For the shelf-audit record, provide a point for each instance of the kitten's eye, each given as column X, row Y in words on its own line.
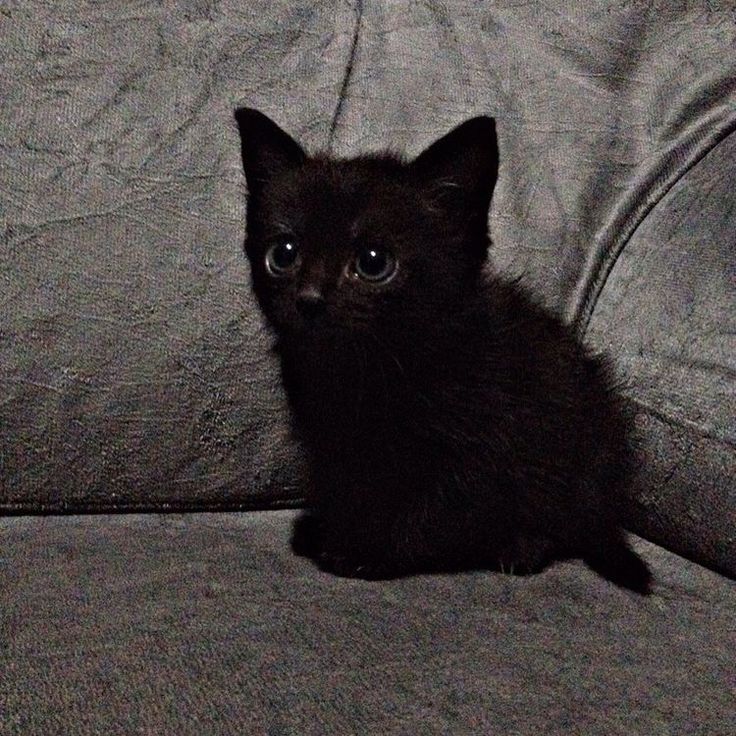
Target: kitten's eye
column 282, row 258
column 375, row 265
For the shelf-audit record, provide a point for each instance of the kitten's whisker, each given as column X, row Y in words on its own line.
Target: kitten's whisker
column 360, row 360
column 363, row 369
column 386, row 349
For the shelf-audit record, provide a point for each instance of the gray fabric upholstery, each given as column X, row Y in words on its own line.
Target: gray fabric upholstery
column 206, row 624
column 134, row 365
column 668, row 311
column 136, row 373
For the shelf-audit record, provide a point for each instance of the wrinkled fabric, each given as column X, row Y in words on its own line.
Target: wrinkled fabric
column 206, row 624
column 135, row 366
column 668, row 311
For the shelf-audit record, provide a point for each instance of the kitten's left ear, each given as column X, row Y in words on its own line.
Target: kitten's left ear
column 266, row 149
column 462, row 166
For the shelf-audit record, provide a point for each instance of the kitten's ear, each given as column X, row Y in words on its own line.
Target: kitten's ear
column 266, row 149
column 461, row 168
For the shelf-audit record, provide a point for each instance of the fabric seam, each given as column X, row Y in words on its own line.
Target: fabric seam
column 348, row 73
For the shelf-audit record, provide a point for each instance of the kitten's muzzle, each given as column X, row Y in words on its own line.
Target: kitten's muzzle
column 310, row 302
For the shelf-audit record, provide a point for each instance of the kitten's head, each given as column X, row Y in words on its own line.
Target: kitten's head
column 371, row 244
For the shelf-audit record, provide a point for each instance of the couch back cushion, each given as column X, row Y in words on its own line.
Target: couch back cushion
column 134, row 362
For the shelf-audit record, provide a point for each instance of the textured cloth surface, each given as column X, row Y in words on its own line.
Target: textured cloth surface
column 668, row 311
column 134, row 365
column 207, row 624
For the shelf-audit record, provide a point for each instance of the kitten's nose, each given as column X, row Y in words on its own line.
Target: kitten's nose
column 310, row 302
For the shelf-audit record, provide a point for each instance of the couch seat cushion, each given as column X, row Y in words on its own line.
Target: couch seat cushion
column 206, row 623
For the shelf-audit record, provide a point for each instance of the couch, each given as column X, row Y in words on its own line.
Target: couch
column 148, row 477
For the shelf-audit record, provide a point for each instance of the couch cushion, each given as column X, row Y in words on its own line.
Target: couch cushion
column 668, row 312
column 134, row 363
column 206, row 623
column 134, row 366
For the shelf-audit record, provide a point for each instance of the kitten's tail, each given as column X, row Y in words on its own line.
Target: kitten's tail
column 610, row 556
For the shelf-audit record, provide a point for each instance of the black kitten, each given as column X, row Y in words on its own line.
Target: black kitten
column 451, row 422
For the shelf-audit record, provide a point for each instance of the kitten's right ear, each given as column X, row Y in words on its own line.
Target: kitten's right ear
column 267, row 150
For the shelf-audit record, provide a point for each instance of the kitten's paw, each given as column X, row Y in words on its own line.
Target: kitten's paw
column 526, row 556
column 306, row 536
column 346, row 567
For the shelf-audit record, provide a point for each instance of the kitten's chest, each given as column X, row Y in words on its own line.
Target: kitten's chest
column 349, row 403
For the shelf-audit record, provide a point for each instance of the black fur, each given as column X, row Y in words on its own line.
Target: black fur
column 451, row 422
